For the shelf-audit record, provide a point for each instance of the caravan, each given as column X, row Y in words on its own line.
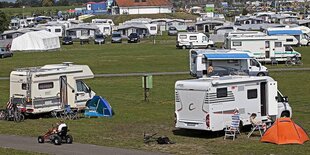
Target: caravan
column 232, row 61
column 209, row 103
column 263, row 48
column 51, row 87
column 193, row 40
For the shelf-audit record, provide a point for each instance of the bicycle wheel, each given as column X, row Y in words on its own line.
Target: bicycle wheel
column 288, row 63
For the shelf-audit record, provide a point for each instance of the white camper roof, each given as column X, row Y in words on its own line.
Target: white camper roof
column 242, row 38
column 205, row 83
column 78, row 71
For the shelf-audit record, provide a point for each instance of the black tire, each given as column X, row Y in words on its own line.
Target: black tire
column 285, row 114
column 40, row 139
column 57, row 140
column 69, row 139
column 260, row 74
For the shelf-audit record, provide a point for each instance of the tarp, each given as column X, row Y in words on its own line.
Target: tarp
column 284, row 32
column 98, row 107
column 36, row 41
column 285, row 131
column 214, row 56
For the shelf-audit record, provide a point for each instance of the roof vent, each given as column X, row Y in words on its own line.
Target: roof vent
column 67, row 63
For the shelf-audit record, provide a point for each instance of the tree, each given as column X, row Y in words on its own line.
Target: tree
column 47, row 3
column 4, row 21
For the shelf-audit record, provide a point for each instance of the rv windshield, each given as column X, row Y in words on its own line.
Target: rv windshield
column 81, row 86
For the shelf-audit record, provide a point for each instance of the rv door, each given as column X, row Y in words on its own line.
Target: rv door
column 272, row 103
column 67, row 91
column 83, row 93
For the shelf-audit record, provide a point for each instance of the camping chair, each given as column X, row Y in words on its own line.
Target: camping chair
column 230, row 131
column 69, row 113
column 273, row 61
column 256, row 127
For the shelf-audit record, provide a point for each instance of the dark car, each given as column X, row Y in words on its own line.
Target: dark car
column 5, row 53
column 99, row 39
column 67, row 41
column 116, row 37
column 190, row 29
column 172, row 31
column 133, row 38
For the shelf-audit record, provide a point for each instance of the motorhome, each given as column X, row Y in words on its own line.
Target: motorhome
column 303, row 39
column 224, row 62
column 51, row 87
column 103, row 21
column 193, row 40
column 152, row 28
column 264, row 48
column 209, row 103
column 244, row 33
column 59, row 30
column 14, row 24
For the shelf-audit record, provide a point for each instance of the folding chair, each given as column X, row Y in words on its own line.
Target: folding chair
column 256, row 127
column 230, row 131
column 274, row 61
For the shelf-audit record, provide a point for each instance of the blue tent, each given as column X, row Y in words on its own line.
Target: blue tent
column 284, row 32
column 98, row 107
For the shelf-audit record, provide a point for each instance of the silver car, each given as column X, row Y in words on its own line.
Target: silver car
column 116, row 37
column 5, row 53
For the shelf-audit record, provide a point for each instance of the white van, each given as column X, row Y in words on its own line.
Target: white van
column 193, row 40
column 51, row 87
column 209, row 103
column 224, row 62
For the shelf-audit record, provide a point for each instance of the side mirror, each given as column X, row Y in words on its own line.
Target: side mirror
column 277, row 98
column 89, row 90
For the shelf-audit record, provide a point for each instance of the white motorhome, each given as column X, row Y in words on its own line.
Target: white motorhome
column 51, row 87
column 59, row 30
column 209, row 103
column 152, row 28
column 224, row 62
column 264, row 48
column 303, row 39
column 193, row 40
column 103, row 21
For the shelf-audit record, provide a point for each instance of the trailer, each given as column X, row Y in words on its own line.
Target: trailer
column 264, row 48
column 51, row 87
column 209, row 103
column 230, row 62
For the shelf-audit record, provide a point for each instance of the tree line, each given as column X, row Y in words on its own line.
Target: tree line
column 44, row 3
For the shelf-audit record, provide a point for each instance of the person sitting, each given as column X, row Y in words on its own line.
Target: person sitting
column 255, row 121
column 61, row 125
column 210, row 68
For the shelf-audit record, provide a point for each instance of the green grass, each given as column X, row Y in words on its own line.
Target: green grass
column 28, row 11
column 7, row 151
column 134, row 116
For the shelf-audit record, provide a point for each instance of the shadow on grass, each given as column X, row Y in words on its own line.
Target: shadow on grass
column 198, row 133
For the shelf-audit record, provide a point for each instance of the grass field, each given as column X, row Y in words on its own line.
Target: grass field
column 28, row 11
column 134, row 116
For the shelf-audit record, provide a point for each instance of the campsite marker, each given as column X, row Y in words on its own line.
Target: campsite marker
column 147, row 84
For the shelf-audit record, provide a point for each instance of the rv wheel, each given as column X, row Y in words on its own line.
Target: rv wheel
column 285, row 114
column 40, row 139
column 260, row 74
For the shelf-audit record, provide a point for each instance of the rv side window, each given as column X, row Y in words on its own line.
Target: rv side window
column 153, row 27
column 183, row 37
column 221, row 92
column 47, row 85
column 232, row 61
column 278, row 44
column 192, row 37
column 237, row 43
column 253, row 62
column 57, row 30
column 81, row 87
column 252, row 93
column 24, row 86
column 289, row 40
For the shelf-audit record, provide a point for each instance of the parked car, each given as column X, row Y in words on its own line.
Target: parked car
column 190, row 29
column 99, row 39
column 5, row 53
column 67, row 41
column 133, row 38
column 116, row 37
column 172, row 31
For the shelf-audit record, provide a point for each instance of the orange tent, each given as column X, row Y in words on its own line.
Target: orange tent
column 285, row 131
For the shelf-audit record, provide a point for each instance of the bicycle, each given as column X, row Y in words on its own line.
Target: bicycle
column 293, row 61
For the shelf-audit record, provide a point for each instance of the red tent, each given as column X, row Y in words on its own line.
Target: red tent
column 285, row 131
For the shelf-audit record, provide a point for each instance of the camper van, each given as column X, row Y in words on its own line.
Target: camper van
column 209, row 103
column 193, row 40
column 224, row 62
column 296, row 32
column 51, row 87
column 263, row 48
